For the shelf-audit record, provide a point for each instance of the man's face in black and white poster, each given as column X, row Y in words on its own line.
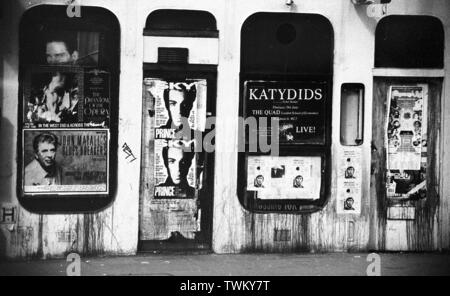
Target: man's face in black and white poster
column 179, row 101
column 175, row 160
column 46, row 154
column 58, row 52
column 176, row 99
column 177, row 163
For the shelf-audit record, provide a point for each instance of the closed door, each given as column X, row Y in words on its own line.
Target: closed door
column 176, row 172
column 405, row 163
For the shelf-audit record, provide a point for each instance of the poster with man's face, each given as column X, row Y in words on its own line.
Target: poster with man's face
column 64, row 83
column 65, row 161
column 175, row 169
column 180, row 111
column 349, row 181
column 53, row 95
column 178, row 102
column 66, row 97
column 51, row 46
column 67, row 105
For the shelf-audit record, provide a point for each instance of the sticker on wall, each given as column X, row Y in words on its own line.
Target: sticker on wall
column 406, row 140
column 8, row 213
column 284, row 177
column 349, row 181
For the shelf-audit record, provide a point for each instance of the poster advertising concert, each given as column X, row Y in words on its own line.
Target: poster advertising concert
column 300, row 108
column 65, row 161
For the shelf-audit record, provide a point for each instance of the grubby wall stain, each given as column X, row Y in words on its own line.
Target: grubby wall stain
column 3, row 245
column 93, row 234
column 37, row 236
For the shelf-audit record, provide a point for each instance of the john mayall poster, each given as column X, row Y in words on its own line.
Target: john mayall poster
column 299, row 106
column 65, row 161
column 177, row 103
column 406, row 140
column 284, row 177
column 66, row 97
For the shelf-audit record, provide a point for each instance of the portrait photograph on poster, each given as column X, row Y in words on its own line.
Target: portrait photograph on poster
column 176, row 162
column 65, row 161
column 349, row 181
column 65, row 111
column 175, row 100
column 68, row 113
column 63, row 96
column 63, row 47
column 175, row 169
column 52, row 95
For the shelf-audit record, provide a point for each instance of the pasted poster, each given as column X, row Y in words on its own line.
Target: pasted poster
column 284, row 177
column 300, row 108
column 406, row 136
column 175, row 169
column 180, row 112
column 66, row 97
column 51, row 46
column 96, row 103
column 349, row 181
column 65, row 161
column 175, row 100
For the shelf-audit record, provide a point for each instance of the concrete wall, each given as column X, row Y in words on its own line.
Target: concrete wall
column 115, row 229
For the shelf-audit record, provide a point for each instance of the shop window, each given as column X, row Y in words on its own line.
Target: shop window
column 283, row 43
column 352, row 114
column 286, row 82
column 68, row 109
column 179, row 98
column 409, row 42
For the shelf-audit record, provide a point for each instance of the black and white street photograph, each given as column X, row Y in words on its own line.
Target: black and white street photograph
column 226, row 147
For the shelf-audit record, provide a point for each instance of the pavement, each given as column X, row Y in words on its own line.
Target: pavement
column 331, row 264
